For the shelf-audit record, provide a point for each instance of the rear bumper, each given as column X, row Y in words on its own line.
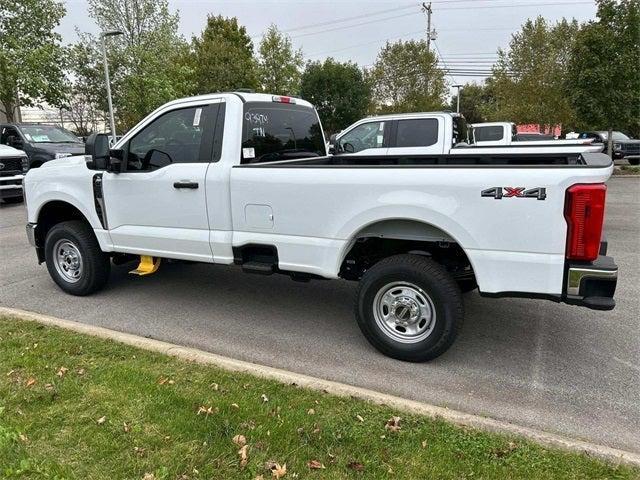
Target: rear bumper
column 591, row 284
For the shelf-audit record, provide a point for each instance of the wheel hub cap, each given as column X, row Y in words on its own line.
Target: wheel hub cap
column 404, row 312
column 68, row 261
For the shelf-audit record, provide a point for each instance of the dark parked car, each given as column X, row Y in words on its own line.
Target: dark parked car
column 623, row 146
column 41, row 143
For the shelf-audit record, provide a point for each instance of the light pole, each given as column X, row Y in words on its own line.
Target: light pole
column 457, row 97
column 110, row 33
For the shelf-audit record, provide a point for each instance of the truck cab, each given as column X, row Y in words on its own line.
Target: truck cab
column 41, row 142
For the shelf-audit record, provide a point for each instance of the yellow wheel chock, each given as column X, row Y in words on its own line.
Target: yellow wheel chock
column 147, row 265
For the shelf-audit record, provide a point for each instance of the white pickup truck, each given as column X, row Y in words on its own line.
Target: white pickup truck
column 13, row 165
column 442, row 133
column 243, row 179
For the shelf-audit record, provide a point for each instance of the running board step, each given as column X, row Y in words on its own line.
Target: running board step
column 260, row 268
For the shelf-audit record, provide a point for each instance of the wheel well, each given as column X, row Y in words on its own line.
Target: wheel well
column 392, row 237
column 53, row 213
column 36, row 164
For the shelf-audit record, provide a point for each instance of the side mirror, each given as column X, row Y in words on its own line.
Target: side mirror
column 97, row 146
column 333, row 138
column 14, row 142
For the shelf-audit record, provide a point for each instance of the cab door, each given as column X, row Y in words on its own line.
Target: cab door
column 157, row 204
column 418, row 136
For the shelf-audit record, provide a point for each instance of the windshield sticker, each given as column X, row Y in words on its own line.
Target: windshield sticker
column 256, row 118
column 248, row 153
column 40, row 138
column 196, row 117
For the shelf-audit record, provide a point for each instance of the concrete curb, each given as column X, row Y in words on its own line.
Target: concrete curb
column 456, row 417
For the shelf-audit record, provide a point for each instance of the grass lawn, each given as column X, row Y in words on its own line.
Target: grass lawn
column 627, row 170
column 77, row 407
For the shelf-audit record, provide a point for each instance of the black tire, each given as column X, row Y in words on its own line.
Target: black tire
column 467, row 285
column 634, row 161
column 95, row 263
column 434, row 281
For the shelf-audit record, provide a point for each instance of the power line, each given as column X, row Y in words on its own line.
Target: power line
column 354, row 25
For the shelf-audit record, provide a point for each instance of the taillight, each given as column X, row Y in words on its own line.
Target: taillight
column 281, row 99
column 584, row 212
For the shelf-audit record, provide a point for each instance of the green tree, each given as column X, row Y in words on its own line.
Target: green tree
column 604, row 72
column 223, row 57
column 31, row 57
column 406, row 78
column 338, row 90
column 279, row 65
column 476, row 102
column 148, row 62
column 529, row 78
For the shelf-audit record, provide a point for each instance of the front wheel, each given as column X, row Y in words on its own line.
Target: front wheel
column 74, row 259
column 409, row 308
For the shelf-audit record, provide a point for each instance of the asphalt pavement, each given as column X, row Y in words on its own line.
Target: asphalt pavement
column 554, row 367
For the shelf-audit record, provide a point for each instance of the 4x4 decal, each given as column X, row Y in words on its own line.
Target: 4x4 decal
column 519, row 192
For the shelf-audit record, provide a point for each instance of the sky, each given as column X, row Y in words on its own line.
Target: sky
column 469, row 32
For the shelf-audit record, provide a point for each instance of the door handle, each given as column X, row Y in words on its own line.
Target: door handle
column 185, row 184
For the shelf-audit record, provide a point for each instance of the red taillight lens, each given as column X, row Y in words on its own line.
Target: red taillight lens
column 584, row 212
column 281, row 99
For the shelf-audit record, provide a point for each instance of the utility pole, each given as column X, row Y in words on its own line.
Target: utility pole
column 457, row 97
column 112, row 122
column 427, row 9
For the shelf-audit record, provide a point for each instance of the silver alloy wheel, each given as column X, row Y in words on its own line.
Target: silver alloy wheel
column 68, row 260
column 404, row 312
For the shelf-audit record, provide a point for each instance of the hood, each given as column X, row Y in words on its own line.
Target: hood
column 66, row 162
column 74, row 148
column 627, row 142
column 7, row 151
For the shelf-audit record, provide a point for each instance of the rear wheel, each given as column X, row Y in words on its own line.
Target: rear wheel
column 409, row 308
column 74, row 259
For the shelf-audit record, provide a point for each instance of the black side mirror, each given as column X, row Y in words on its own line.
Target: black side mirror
column 97, row 146
column 14, row 141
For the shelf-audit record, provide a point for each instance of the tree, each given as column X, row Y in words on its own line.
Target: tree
column 31, row 57
column 406, row 78
column 604, row 75
column 529, row 78
column 148, row 62
column 223, row 57
column 476, row 102
column 338, row 90
column 279, row 65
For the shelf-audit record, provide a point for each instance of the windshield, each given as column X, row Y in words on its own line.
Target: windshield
column 618, row 136
column 280, row 131
column 48, row 134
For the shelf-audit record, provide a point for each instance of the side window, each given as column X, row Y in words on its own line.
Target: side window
column 8, row 132
column 417, row 133
column 488, row 134
column 367, row 135
column 174, row 137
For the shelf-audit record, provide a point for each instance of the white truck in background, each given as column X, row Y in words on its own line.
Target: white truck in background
column 13, row 165
column 440, row 133
column 243, row 179
column 506, row 134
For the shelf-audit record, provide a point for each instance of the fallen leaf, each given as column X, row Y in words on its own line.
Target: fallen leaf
column 49, row 387
column 264, row 398
column 139, row 451
column 81, row 371
column 126, row 427
column 393, row 424
column 31, row 381
column 359, row 417
column 101, row 420
column 61, row 371
column 357, row 466
column 23, row 438
column 215, row 386
column 163, row 380
column 240, row 440
column 424, row 444
column 11, row 372
column 207, row 410
column 235, row 405
column 311, row 411
column 315, row 465
column 149, row 476
column 244, row 457
column 277, row 470
column 259, row 477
